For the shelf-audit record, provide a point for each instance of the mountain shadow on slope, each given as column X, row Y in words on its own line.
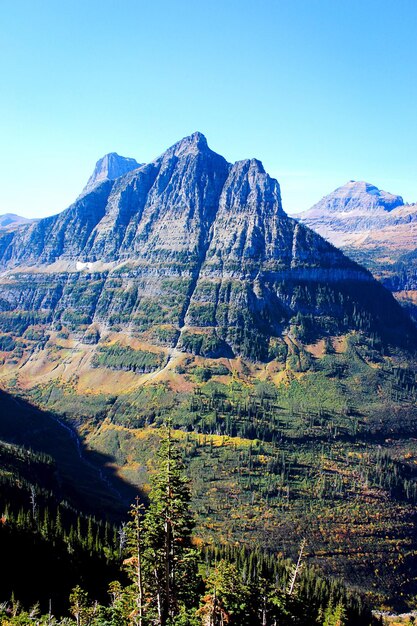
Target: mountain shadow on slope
column 86, row 479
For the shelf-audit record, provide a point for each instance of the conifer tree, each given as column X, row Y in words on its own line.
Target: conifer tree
column 335, row 615
column 168, row 525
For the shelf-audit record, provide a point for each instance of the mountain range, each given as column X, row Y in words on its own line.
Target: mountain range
column 180, row 290
column 189, row 251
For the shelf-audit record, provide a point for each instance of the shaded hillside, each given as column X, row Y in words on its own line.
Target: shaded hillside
column 71, row 472
column 39, row 524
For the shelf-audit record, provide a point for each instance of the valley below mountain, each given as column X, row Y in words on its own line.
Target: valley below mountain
column 179, row 291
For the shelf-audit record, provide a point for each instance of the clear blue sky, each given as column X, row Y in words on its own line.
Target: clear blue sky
column 322, row 91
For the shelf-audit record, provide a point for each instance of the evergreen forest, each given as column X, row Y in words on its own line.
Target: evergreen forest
column 65, row 567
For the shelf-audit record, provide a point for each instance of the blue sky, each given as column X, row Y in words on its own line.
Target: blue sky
column 322, row 91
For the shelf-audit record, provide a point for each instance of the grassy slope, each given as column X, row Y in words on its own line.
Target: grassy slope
column 274, row 454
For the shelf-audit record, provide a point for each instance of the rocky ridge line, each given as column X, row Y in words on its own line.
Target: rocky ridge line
column 187, row 249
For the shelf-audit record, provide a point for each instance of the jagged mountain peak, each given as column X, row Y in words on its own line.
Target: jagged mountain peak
column 195, row 139
column 109, row 167
column 191, row 145
column 253, row 165
column 208, row 252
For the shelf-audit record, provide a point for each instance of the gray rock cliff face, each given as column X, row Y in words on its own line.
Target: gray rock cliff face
column 109, row 167
column 185, row 246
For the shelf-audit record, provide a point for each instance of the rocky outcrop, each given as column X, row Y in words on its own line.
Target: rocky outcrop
column 185, row 246
column 109, row 167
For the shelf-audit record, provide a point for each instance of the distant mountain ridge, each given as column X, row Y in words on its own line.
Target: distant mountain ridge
column 356, row 195
column 11, row 220
column 354, row 208
column 374, row 228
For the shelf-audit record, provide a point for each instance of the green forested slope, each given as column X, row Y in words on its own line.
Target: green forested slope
column 60, row 561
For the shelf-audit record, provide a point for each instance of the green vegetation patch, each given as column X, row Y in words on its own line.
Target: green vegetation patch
column 7, row 343
column 118, row 357
column 206, row 372
column 204, row 344
column 74, row 318
column 18, row 321
column 165, row 310
column 166, row 335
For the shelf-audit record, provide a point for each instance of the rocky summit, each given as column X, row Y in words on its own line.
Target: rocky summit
column 376, row 229
column 109, row 167
column 356, row 195
column 189, row 252
column 354, row 208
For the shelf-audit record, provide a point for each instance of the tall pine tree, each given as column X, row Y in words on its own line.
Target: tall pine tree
column 169, row 560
